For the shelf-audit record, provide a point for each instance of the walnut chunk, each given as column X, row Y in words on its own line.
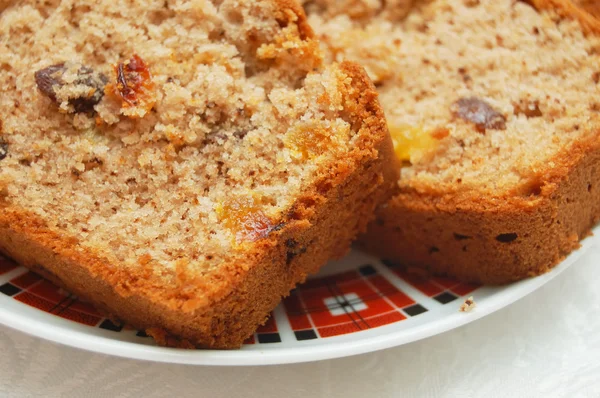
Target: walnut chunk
column 83, row 92
column 480, row 113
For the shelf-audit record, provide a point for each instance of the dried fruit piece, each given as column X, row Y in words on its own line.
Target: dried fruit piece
column 244, row 217
column 507, row 238
column 412, row 142
column 309, row 142
column 480, row 113
column 96, row 82
column 3, row 149
column 312, row 139
column 83, row 92
column 49, row 77
column 134, row 85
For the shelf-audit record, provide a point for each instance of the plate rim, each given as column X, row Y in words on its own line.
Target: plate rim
column 104, row 345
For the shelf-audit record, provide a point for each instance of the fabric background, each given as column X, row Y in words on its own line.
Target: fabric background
column 547, row 344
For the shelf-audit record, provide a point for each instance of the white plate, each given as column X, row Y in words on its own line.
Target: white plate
column 353, row 306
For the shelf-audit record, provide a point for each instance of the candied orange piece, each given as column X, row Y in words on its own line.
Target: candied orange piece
column 309, row 140
column 243, row 216
column 411, row 142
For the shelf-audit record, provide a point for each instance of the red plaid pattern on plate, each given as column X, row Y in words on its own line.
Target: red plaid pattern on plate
column 347, row 302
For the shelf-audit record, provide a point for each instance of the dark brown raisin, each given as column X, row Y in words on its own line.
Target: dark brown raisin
column 48, row 78
column 87, row 77
column 528, row 108
column 3, row 149
column 596, row 77
column 506, row 238
column 480, row 113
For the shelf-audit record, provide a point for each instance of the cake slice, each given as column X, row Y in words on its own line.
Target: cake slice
column 494, row 107
column 182, row 164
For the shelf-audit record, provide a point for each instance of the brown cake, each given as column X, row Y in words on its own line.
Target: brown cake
column 494, row 107
column 182, row 164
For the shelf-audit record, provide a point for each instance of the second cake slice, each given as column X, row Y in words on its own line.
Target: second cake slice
column 495, row 109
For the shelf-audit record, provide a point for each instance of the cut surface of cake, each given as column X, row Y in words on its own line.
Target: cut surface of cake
column 494, row 107
column 182, row 164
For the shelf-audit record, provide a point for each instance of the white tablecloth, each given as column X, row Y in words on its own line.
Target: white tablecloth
column 547, row 344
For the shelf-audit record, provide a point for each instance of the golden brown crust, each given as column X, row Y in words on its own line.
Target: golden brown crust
column 499, row 239
column 591, row 6
column 496, row 240
column 568, row 9
column 238, row 298
column 4, row 4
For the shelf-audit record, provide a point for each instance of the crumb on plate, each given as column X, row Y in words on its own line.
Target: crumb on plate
column 468, row 305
